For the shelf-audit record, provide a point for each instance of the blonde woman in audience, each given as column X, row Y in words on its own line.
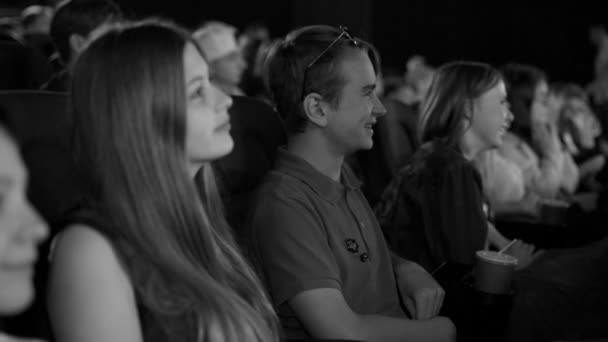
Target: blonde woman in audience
column 434, row 210
column 147, row 258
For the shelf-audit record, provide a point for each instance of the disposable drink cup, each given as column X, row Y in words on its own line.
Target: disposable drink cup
column 494, row 272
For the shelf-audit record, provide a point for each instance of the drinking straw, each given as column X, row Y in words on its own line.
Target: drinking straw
column 507, row 246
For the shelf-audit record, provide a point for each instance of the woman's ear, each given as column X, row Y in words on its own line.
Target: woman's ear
column 315, row 109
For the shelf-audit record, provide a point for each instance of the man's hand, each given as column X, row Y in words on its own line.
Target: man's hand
column 422, row 295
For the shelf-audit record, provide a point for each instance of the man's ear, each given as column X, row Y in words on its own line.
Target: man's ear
column 315, row 109
column 76, row 43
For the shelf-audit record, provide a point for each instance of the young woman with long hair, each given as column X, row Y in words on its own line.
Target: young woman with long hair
column 434, row 211
column 148, row 258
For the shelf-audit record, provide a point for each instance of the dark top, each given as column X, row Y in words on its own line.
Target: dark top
column 432, row 212
column 311, row 232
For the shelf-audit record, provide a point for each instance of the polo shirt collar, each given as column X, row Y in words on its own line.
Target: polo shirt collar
column 326, row 187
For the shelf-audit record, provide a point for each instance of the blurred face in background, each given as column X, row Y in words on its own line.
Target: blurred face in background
column 21, row 230
column 555, row 103
column 228, row 69
column 539, row 109
column 585, row 125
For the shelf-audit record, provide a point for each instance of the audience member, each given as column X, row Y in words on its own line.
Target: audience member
column 416, row 82
column 329, row 271
column 218, row 42
column 255, row 42
column 434, row 211
column 533, row 142
column 36, row 19
column 579, row 130
column 35, row 25
column 147, row 258
column 534, row 163
column 72, row 23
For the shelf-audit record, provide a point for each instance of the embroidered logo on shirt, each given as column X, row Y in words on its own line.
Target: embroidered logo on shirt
column 352, row 245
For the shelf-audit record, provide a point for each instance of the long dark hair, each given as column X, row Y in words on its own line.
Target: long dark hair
column 128, row 99
column 447, row 105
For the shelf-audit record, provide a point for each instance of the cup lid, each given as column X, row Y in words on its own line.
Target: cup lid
column 495, row 258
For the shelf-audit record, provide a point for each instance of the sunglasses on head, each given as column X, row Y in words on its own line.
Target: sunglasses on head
column 343, row 33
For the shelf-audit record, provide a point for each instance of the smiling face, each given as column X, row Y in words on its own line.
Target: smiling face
column 21, row 230
column 208, row 124
column 491, row 117
column 350, row 124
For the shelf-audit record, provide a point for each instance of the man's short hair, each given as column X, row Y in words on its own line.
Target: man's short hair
column 289, row 75
column 79, row 17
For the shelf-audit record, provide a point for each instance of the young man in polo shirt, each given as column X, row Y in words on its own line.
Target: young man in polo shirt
column 319, row 246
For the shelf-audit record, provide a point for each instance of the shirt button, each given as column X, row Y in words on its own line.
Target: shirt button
column 364, row 257
column 361, row 224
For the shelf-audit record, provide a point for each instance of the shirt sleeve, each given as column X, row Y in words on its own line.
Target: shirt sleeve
column 454, row 209
column 291, row 247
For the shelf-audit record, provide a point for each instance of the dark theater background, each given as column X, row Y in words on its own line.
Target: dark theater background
column 553, row 36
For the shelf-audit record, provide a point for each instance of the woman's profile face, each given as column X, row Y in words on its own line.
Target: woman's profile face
column 491, row 117
column 208, row 124
column 21, row 230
